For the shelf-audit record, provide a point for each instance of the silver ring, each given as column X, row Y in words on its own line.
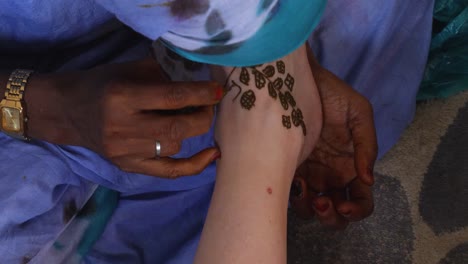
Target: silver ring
column 158, row 149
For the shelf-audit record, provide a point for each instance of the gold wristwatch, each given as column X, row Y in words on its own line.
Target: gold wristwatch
column 12, row 107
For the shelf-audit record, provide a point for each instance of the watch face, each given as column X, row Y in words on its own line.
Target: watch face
column 11, row 119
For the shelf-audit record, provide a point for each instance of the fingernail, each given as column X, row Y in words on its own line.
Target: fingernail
column 219, row 93
column 296, row 189
column 346, row 214
column 321, row 207
column 216, row 156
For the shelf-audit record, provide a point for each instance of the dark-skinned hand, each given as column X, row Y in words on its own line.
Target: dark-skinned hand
column 334, row 182
column 120, row 110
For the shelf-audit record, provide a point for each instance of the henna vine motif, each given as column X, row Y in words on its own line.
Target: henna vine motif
column 234, row 85
column 263, row 77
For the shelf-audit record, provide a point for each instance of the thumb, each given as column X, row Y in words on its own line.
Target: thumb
column 364, row 142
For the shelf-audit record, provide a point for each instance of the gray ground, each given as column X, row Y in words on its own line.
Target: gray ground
column 421, row 195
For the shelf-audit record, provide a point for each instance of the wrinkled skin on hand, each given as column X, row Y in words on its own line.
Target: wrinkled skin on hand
column 334, row 181
column 120, row 110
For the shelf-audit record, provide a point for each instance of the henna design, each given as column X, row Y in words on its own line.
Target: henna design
column 272, row 91
column 297, row 117
column 287, row 122
column 260, row 80
column 229, row 77
column 284, row 102
column 281, row 67
column 289, row 82
column 304, row 128
column 290, row 99
column 248, row 99
column 244, row 76
column 234, row 84
column 278, row 83
column 269, row 71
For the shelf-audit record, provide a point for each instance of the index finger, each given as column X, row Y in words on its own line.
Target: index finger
column 177, row 95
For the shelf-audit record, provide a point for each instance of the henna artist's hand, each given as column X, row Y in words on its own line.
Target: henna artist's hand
column 341, row 165
column 120, row 110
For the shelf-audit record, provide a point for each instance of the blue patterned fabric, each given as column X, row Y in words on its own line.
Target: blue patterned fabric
column 232, row 33
column 291, row 20
column 380, row 48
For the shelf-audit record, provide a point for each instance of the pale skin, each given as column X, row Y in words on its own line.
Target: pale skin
column 247, row 218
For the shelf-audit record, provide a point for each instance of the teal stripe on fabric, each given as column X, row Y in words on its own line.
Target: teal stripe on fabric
column 98, row 211
column 286, row 31
column 264, row 5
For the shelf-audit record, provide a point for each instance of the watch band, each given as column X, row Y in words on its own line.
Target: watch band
column 13, row 105
column 16, row 84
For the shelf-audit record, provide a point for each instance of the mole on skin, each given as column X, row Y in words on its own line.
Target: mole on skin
column 269, row 190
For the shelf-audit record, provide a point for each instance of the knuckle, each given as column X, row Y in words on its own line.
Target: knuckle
column 174, row 147
column 116, row 96
column 174, row 131
column 175, row 96
column 172, row 171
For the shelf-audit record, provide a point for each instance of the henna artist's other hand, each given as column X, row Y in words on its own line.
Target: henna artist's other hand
column 270, row 111
column 121, row 110
column 341, row 166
